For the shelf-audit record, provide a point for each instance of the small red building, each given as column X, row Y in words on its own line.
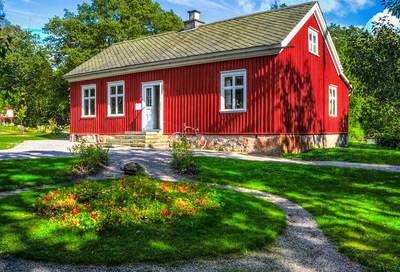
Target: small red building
column 262, row 82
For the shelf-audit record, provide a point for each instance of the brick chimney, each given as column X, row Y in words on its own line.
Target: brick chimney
column 194, row 20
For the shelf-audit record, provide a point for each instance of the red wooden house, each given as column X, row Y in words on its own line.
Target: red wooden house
column 262, row 82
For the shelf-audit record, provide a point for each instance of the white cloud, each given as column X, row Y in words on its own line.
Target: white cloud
column 384, row 14
column 247, row 6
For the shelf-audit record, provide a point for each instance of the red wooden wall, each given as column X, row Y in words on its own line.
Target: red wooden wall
column 287, row 93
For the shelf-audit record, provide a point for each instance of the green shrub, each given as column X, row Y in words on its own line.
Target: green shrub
column 182, row 157
column 356, row 132
column 95, row 206
column 90, row 158
column 391, row 140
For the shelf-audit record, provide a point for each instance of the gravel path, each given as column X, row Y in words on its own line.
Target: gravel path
column 59, row 148
column 37, row 149
column 302, row 247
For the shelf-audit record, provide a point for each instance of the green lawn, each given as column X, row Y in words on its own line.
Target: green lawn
column 10, row 136
column 243, row 223
column 363, row 153
column 15, row 174
column 358, row 210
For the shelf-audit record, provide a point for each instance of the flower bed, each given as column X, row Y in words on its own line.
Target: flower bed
column 91, row 206
column 137, row 219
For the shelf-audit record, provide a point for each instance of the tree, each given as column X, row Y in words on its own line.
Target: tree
column 371, row 60
column 393, row 6
column 76, row 37
column 277, row 5
column 26, row 79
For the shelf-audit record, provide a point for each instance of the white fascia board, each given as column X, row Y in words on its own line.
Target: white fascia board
column 316, row 10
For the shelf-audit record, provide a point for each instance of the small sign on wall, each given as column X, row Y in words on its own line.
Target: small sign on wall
column 138, row 106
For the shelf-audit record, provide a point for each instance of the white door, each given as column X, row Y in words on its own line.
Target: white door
column 152, row 106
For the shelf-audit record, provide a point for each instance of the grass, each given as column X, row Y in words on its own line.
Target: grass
column 362, row 153
column 244, row 223
column 15, row 174
column 10, row 136
column 358, row 210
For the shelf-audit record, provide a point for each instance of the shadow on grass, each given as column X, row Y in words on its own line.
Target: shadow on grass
column 16, row 174
column 357, row 209
column 244, row 223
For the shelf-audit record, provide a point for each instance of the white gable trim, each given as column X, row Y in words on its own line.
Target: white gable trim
column 316, row 10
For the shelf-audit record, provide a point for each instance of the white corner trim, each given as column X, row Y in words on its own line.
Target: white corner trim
column 316, row 10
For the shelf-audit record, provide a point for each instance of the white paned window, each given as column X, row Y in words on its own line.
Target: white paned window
column 89, row 101
column 116, row 98
column 332, row 101
column 233, row 91
column 313, row 41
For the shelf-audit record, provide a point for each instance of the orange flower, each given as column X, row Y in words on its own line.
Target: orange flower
column 94, row 215
column 201, row 201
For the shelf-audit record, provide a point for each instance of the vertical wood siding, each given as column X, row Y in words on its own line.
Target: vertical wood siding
column 287, row 93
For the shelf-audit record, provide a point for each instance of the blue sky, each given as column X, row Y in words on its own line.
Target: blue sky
column 33, row 14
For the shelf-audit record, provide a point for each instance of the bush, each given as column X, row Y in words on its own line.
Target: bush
column 95, row 206
column 90, row 158
column 182, row 157
column 391, row 140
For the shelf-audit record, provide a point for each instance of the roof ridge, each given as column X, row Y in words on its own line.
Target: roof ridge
column 261, row 12
column 216, row 22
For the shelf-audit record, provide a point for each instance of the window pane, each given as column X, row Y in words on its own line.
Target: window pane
column 239, row 101
column 85, row 107
column 120, row 105
column 228, row 82
column 149, row 97
column 86, row 92
column 239, row 81
column 120, row 89
column 228, row 99
column 92, row 106
column 112, row 90
column 113, row 109
column 92, row 92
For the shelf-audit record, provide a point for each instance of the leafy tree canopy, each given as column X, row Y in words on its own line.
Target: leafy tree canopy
column 371, row 60
column 277, row 4
column 393, row 6
column 78, row 36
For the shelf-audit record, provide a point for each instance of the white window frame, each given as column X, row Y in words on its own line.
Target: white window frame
column 233, row 73
column 314, row 33
column 88, row 87
column 332, row 111
column 109, row 96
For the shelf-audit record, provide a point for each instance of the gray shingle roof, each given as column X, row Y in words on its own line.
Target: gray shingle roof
column 268, row 28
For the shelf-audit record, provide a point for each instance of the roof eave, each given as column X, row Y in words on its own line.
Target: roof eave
column 178, row 62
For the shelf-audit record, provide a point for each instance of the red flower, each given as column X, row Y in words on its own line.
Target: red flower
column 164, row 213
column 75, row 211
column 94, row 215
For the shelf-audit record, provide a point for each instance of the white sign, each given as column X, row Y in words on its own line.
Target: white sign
column 10, row 114
column 138, row 106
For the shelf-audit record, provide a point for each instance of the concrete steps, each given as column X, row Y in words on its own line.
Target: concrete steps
column 140, row 140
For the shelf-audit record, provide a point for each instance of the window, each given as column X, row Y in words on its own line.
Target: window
column 313, row 41
column 89, row 101
column 149, row 98
column 116, row 98
column 233, row 91
column 332, row 101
